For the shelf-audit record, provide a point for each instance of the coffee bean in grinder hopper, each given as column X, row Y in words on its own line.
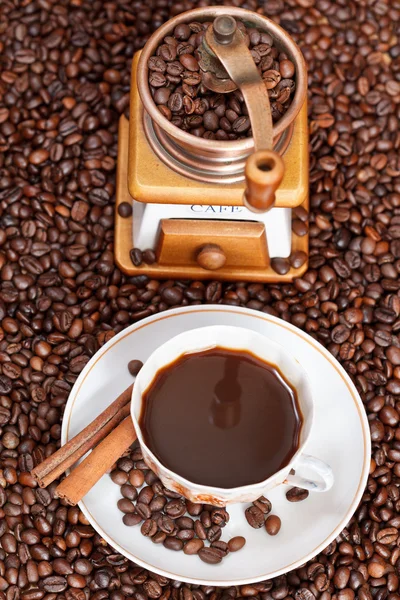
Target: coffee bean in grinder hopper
column 207, row 203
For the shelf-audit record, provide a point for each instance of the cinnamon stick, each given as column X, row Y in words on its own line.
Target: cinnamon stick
column 72, row 451
column 100, row 460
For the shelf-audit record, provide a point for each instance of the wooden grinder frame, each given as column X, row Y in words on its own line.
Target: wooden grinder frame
column 142, row 175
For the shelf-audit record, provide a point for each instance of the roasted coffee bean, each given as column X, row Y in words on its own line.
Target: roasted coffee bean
column 136, row 256
column 157, row 79
column 205, row 518
column 175, row 508
column 119, row 477
column 220, row 545
column 173, row 543
column 185, row 523
column 124, row 209
column 143, row 510
column 166, row 524
column 194, row 509
column 297, row 259
column 193, row 546
column 149, row 528
column 157, row 64
column 272, row 524
column 149, row 256
column 296, row 494
column 134, row 367
column 132, row 519
column 152, row 588
column 263, row 504
column 175, row 102
column 280, row 265
column 254, row 516
column 200, row 530
column 212, row 556
column 146, row 495
column 136, row 476
column 236, row 543
column 299, row 227
column 126, row 506
column 185, row 534
column 214, row 533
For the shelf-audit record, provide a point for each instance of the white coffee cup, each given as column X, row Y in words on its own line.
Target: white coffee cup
column 234, row 338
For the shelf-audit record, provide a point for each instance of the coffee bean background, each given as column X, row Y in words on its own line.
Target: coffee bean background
column 64, row 81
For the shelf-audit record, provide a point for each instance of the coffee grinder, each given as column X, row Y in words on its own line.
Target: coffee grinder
column 226, row 210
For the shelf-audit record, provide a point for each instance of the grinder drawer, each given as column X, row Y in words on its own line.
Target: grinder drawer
column 212, row 244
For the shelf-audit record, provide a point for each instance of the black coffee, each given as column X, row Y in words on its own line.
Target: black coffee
column 221, row 418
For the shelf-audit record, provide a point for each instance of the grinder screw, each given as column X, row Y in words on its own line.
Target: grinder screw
column 224, row 29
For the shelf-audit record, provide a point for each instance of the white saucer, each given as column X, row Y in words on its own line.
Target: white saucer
column 340, row 437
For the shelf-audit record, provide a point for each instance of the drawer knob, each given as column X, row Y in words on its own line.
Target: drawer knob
column 211, row 257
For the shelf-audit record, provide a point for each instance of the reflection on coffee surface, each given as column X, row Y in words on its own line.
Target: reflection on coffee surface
column 221, row 418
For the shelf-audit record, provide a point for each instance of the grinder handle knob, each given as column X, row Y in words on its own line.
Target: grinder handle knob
column 264, row 172
column 211, row 257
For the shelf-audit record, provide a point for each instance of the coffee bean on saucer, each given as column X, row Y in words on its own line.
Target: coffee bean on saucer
column 194, row 509
column 125, row 464
column 219, row 516
column 126, row 506
column 272, row 524
column 159, row 537
column 193, row 546
column 296, row 494
column 151, row 479
column 185, row 523
column 212, row 556
column 149, row 528
column 141, row 465
column 263, row 504
column 220, row 545
column 132, row 519
column 166, row 524
column 125, row 209
column 136, row 454
column 136, row 478
column 185, row 534
column 173, row 543
column 205, row 518
column 119, row 477
column 134, row 367
column 254, row 516
column 128, row 491
column 143, row 510
column 157, row 504
column 214, row 533
column 200, row 530
column 236, row 543
column 146, row 495
column 175, row 508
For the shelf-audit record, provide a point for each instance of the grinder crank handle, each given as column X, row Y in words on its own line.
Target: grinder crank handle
column 264, row 169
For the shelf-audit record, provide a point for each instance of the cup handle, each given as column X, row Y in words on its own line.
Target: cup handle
column 320, row 468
